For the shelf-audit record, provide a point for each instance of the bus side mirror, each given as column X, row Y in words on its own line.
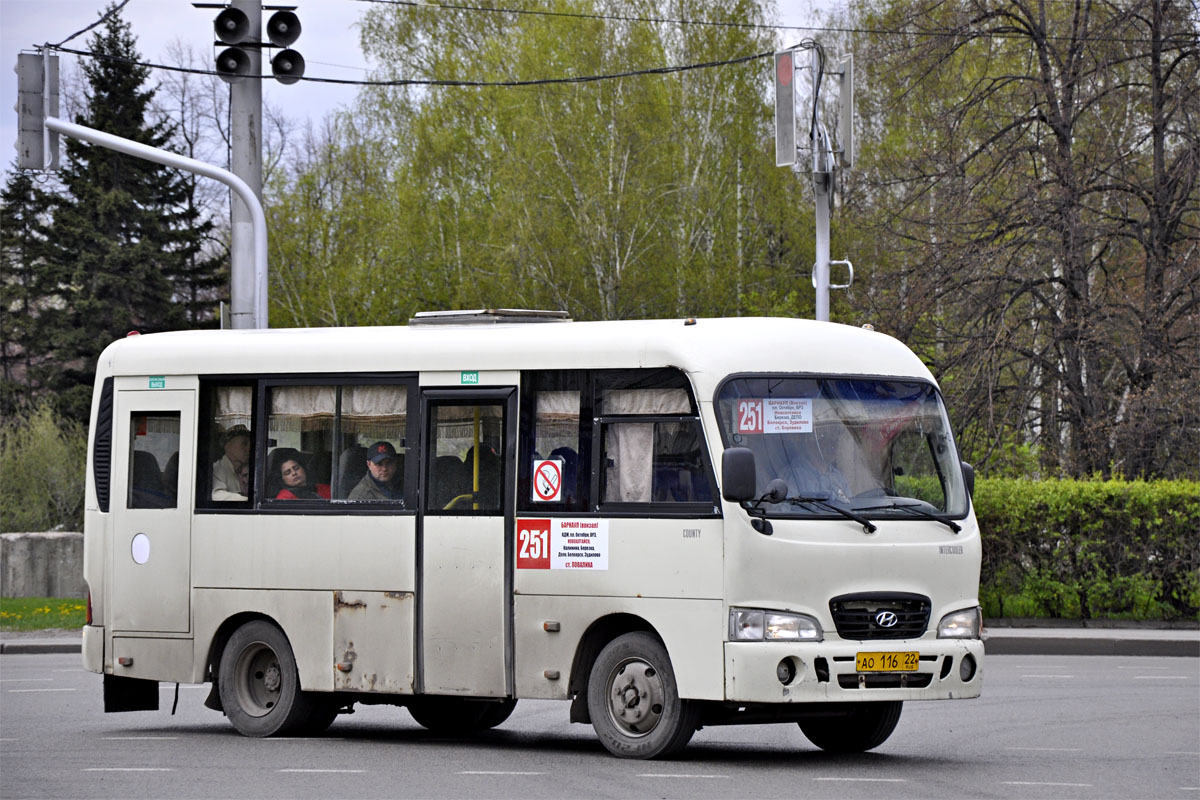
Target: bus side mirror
column 969, row 478
column 738, row 475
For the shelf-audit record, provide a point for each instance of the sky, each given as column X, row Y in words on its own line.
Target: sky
column 328, row 42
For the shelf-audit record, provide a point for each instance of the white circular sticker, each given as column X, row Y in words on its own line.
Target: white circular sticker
column 141, row 548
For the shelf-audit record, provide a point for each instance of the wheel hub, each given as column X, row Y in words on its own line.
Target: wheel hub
column 635, row 701
column 271, row 679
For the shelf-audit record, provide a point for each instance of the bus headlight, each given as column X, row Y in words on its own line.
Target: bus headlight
column 756, row 625
column 965, row 624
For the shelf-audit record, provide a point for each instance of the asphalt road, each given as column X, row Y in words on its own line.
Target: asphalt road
column 1046, row 727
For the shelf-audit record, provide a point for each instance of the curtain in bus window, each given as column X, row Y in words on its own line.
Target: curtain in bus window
column 629, row 446
column 233, row 406
column 301, row 418
column 301, row 408
column 644, row 401
column 374, row 412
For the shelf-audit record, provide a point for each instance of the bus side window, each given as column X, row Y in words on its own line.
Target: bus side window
column 552, row 407
column 655, row 454
column 227, row 445
column 153, row 437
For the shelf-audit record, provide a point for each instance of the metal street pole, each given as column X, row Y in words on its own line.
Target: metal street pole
column 249, row 307
column 822, row 190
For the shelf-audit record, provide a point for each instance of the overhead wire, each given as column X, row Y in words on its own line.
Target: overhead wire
column 431, row 81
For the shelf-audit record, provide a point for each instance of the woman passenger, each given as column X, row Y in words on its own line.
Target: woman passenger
column 290, row 474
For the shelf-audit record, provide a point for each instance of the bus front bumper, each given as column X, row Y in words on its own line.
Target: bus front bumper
column 786, row 672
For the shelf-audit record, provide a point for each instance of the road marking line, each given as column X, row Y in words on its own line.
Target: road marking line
column 1162, row 677
column 129, row 769
column 18, row 691
column 1044, row 783
column 1047, row 676
column 1181, row 753
column 138, row 738
column 864, row 780
column 1139, row 667
column 485, row 772
column 678, row 775
column 1049, row 749
column 339, row 771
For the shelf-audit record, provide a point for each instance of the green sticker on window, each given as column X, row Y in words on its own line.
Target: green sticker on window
column 470, row 377
column 158, row 382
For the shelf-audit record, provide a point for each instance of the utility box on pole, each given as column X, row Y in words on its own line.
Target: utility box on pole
column 845, row 129
column 785, row 109
column 37, row 98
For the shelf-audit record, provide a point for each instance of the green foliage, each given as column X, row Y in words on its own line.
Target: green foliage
column 124, row 240
column 651, row 195
column 28, row 288
column 41, row 613
column 1089, row 549
column 42, row 462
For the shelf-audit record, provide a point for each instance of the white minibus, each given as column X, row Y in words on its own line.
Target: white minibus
column 669, row 524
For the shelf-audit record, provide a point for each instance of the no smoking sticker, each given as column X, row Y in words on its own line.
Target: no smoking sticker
column 547, row 481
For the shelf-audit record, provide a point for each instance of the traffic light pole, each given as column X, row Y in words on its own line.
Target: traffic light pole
column 245, row 131
column 257, row 227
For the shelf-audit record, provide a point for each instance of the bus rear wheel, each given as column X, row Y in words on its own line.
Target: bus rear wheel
column 260, row 685
column 862, row 728
column 458, row 715
column 634, row 702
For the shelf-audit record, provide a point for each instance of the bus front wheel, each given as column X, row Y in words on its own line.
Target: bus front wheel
column 260, row 686
column 634, row 702
column 863, row 728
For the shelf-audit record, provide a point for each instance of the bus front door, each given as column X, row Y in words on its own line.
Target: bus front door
column 465, row 569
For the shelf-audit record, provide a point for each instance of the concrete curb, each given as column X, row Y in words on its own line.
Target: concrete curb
column 32, row 648
column 1019, row 645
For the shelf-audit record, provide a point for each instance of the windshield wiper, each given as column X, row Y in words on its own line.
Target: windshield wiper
column 823, row 502
column 920, row 512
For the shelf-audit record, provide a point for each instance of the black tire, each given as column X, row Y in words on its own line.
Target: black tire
column 862, row 728
column 458, row 715
column 634, row 702
column 260, row 686
column 321, row 715
column 494, row 714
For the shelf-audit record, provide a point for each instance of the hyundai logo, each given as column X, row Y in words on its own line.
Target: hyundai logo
column 886, row 619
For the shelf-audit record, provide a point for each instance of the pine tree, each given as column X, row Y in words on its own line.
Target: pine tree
column 124, row 234
column 28, row 288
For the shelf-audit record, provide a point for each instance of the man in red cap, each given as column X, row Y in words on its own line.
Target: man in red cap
column 384, row 479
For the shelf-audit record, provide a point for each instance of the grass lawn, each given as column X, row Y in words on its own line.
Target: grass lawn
column 39, row 613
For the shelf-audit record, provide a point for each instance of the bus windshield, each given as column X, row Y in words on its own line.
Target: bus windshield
column 875, row 446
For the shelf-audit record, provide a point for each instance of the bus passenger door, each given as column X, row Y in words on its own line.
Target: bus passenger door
column 465, row 575
column 153, row 460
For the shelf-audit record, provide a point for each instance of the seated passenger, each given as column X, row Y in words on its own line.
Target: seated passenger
column 230, row 475
column 384, row 479
column 289, row 474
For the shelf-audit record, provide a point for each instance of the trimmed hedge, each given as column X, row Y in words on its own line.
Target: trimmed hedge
column 1090, row 549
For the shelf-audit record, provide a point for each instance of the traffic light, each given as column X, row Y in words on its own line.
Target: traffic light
column 232, row 27
column 37, row 97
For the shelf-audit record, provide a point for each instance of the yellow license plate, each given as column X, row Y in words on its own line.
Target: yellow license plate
column 887, row 662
